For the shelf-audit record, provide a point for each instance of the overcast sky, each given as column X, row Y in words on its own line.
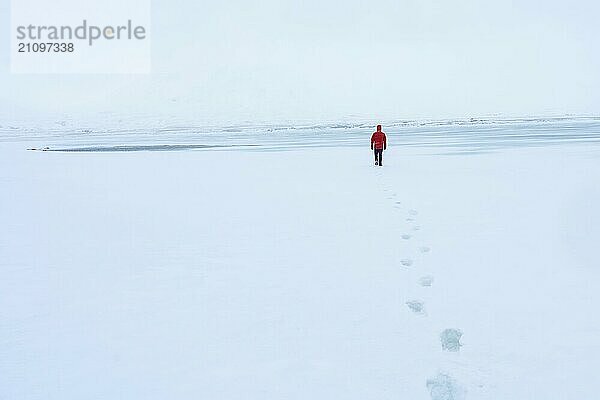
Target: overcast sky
column 277, row 60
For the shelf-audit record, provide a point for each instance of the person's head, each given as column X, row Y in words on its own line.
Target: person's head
column 378, row 128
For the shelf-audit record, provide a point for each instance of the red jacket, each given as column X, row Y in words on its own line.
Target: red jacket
column 378, row 139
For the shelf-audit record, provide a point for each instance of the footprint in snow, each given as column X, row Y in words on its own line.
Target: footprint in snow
column 416, row 306
column 424, row 249
column 444, row 387
column 413, row 212
column 410, row 220
column 450, row 339
column 406, row 236
column 416, row 228
column 407, row 262
column 426, row 280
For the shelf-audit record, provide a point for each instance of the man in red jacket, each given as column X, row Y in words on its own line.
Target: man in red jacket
column 379, row 144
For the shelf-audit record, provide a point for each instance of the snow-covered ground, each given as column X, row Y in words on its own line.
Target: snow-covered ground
column 294, row 271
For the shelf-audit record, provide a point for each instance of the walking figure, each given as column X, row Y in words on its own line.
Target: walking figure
column 379, row 144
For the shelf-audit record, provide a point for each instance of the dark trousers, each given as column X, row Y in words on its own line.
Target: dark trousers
column 379, row 156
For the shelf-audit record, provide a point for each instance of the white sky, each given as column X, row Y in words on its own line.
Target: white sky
column 276, row 60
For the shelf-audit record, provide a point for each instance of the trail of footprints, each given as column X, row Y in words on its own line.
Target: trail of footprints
column 442, row 386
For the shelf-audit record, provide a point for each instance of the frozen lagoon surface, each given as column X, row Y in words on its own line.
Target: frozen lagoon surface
column 269, row 263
